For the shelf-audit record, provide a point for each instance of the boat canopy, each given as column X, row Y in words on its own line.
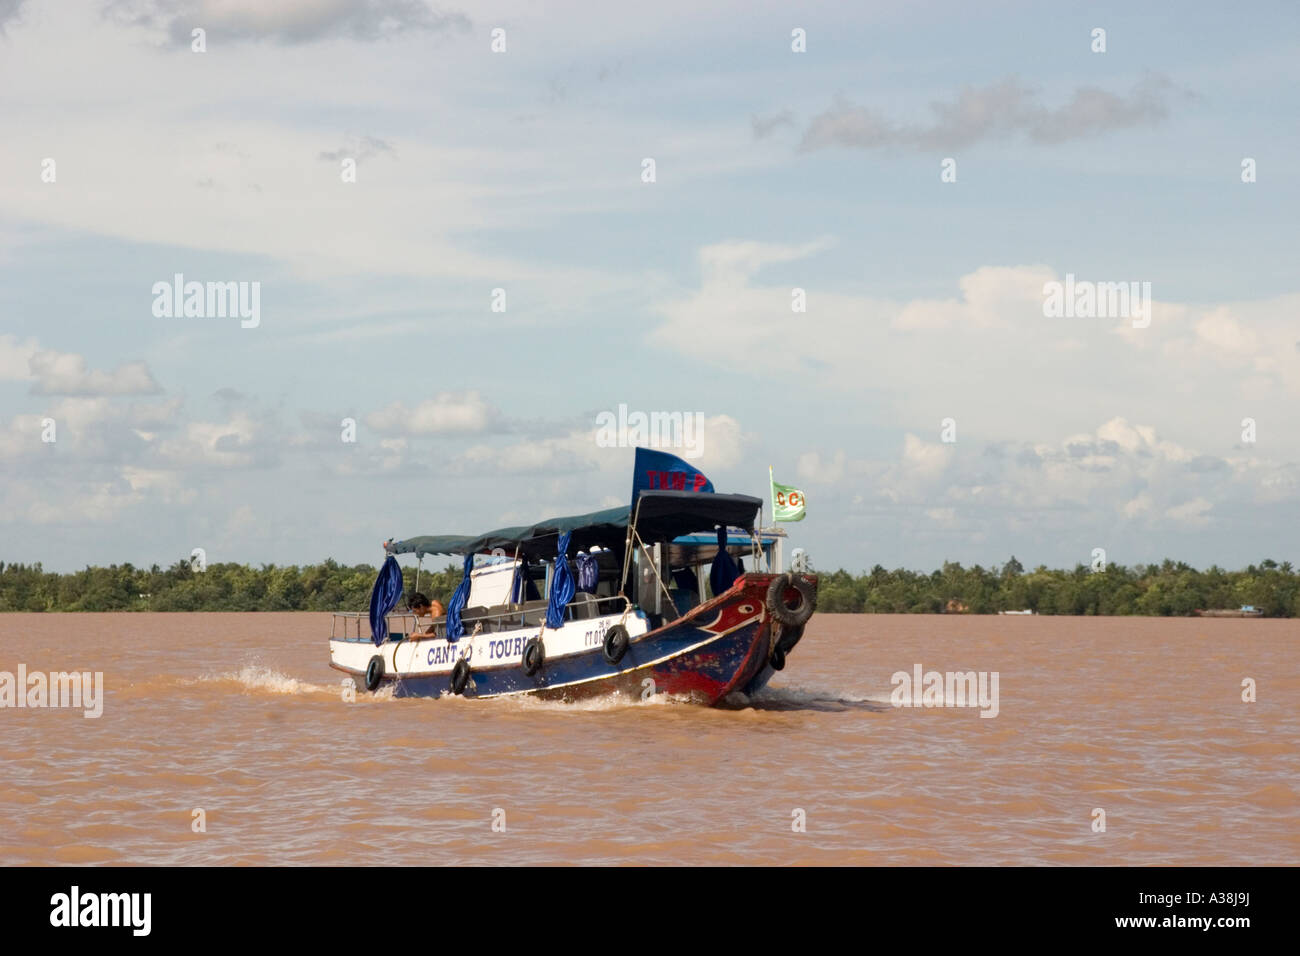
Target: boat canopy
column 660, row 516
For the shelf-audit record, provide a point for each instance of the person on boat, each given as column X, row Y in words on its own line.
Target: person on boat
column 421, row 606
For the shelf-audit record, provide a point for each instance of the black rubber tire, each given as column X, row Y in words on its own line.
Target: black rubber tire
column 777, row 660
column 534, row 656
column 789, row 638
column 791, row 616
column 374, row 673
column 460, row 676
column 615, row 644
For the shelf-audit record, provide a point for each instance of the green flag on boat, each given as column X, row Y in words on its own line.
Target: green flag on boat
column 787, row 502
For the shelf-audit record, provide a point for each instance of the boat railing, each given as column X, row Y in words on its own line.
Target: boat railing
column 350, row 623
column 355, row 625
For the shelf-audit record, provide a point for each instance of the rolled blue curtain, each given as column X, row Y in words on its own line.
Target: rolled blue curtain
column 384, row 597
column 588, row 573
column 723, row 574
column 517, row 582
column 456, row 627
column 562, row 588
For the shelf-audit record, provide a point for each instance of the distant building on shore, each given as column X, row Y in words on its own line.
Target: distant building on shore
column 1246, row 610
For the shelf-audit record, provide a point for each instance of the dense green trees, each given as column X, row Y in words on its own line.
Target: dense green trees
column 1169, row 588
column 329, row 586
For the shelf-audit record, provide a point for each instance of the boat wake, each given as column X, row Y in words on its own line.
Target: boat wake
column 259, row 677
column 798, row 698
column 606, row 702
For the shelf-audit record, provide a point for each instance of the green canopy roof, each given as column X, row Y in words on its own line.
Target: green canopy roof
column 663, row 515
column 606, row 528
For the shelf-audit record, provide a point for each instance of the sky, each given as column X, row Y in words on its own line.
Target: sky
column 472, row 253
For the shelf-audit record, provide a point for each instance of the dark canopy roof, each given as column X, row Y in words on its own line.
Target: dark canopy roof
column 664, row 515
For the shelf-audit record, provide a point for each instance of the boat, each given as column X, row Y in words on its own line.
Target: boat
column 661, row 604
column 1246, row 610
column 1016, row 613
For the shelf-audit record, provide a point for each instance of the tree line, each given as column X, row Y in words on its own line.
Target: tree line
column 1166, row 589
column 328, row 586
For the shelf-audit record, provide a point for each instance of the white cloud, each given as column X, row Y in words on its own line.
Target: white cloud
column 924, row 460
column 991, row 295
column 237, row 443
column 989, row 357
column 1121, row 472
column 1191, row 513
column 574, row 452
column 16, row 357
column 812, row 467
column 722, row 442
column 1137, row 506
column 1224, row 334
column 736, row 260
column 67, row 373
column 446, row 413
column 999, row 110
column 252, row 181
column 60, row 373
column 89, row 502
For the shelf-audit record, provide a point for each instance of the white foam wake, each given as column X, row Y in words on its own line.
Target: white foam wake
column 259, row 677
column 799, row 698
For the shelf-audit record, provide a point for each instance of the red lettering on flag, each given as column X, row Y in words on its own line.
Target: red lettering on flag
column 674, row 480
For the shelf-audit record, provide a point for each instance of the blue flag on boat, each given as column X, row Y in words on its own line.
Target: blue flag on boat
column 383, row 598
column 658, row 470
